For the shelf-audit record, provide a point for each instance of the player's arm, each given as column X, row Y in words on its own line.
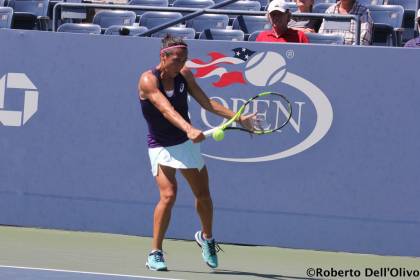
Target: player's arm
column 211, row 105
column 148, row 89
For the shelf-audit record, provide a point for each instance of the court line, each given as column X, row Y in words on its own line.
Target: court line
column 88, row 272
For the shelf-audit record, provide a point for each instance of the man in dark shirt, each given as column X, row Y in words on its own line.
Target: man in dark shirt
column 279, row 16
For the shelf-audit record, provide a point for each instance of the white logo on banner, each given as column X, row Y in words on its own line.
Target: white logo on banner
column 265, row 69
column 30, row 106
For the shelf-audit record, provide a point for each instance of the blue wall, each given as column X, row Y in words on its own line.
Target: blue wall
column 343, row 177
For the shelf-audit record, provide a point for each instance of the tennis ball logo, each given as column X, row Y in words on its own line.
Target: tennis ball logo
column 265, row 69
column 30, row 106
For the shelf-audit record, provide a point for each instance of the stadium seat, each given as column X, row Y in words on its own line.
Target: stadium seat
column 291, row 6
column 264, row 4
column 208, row 21
column 106, row 18
column 410, row 9
column 243, row 5
column 334, row 39
column 86, row 28
column 321, row 7
column 370, row 2
column 158, row 3
column 253, row 36
column 198, row 4
column 182, row 32
column 2, row 3
column 125, row 30
column 6, row 14
column 406, row 4
column 153, row 19
column 250, row 24
column 387, row 23
column 29, row 14
column 222, row 34
column 324, row 1
column 72, row 14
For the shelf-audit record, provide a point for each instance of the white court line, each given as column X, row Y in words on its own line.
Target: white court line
column 88, row 272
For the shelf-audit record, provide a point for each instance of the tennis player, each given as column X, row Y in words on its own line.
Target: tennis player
column 174, row 144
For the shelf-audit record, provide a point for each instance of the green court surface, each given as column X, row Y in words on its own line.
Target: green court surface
column 104, row 254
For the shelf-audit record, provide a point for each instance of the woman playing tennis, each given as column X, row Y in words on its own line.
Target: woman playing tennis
column 174, row 144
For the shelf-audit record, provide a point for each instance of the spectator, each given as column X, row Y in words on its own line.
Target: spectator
column 415, row 42
column 305, row 24
column 351, row 7
column 279, row 16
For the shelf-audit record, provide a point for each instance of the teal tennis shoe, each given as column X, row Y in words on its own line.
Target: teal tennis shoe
column 156, row 262
column 209, row 249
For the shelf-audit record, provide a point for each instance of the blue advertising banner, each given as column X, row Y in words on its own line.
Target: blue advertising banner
column 342, row 176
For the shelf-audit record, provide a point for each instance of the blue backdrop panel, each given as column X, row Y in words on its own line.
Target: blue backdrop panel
column 342, row 176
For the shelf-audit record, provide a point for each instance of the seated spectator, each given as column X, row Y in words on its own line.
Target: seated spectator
column 352, row 7
column 279, row 16
column 305, row 24
column 415, row 43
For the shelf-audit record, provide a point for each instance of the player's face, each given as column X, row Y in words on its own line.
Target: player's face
column 174, row 61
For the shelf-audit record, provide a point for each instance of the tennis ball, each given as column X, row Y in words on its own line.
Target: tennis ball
column 265, row 69
column 218, row 135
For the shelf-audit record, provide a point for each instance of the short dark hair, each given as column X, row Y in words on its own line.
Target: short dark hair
column 169, row 41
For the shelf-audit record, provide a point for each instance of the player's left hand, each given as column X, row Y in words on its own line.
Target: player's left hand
column 248, row 121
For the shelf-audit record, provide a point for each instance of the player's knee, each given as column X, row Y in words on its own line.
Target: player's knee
column 168, row 198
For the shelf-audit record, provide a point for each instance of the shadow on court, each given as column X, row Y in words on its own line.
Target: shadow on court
column 244, row 273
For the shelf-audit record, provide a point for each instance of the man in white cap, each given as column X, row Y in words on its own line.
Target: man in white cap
column 279, row 16
column 415, row 42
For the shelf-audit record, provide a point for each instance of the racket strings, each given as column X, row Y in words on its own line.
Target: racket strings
column 260, row 123
column 273, row 111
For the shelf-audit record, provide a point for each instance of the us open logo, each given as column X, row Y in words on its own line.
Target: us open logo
column 22, row 82
column 263, row 70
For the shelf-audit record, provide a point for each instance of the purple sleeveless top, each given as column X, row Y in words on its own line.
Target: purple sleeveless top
column 161, row 132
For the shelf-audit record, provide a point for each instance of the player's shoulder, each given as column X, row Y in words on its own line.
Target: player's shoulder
column 185, row 71
column 147, row 74
column 148, row 80
column 187, row 74
column 148, row 77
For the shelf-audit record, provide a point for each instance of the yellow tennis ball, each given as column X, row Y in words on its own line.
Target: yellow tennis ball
column 218, row 135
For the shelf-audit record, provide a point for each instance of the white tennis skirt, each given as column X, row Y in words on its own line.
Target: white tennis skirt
column 182, row 156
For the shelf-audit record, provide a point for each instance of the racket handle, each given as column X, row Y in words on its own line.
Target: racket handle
column 209, row 132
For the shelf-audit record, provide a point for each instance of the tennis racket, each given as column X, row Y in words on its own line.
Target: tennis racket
column 272, row 112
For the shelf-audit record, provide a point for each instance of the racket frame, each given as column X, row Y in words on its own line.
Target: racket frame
column 227, row 125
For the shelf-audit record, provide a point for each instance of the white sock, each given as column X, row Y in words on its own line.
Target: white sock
column 208, row 239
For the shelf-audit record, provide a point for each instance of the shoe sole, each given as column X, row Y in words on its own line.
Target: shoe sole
column 155, row 269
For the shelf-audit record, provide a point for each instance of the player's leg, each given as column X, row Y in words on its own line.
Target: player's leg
column 199, row 183
column 167, row 185
column 166, row 182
